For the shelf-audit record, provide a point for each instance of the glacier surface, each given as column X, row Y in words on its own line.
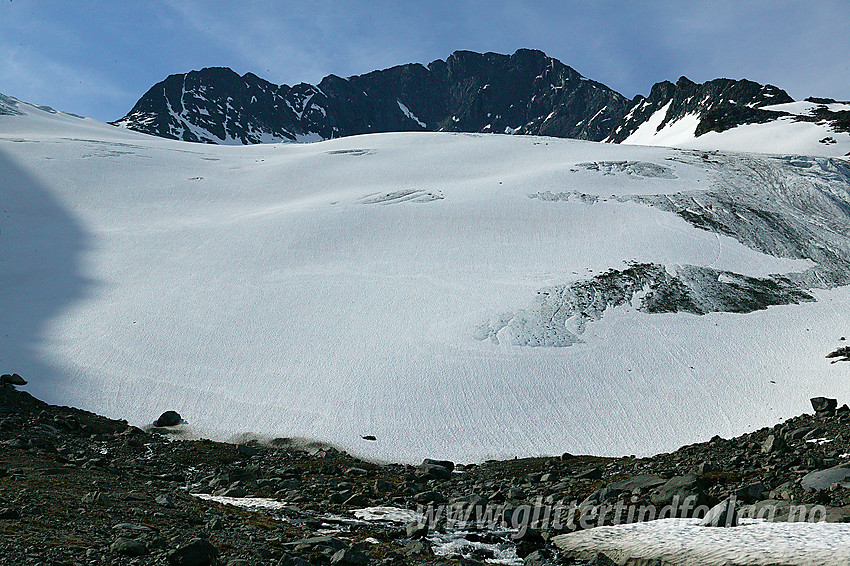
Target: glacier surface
column 389, row 285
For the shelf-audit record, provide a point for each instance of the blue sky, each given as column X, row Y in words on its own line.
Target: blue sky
column 97, row 58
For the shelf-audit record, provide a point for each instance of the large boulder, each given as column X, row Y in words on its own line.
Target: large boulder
column 541, row 557
column 449, row 465
column 721, row 515
column 823, row 479
column 772, row 444
column 433, row 471
column 12, row 379
column 678, row 489
column 642, row 481
column 168, row 418
column 752, row 492
column 823, row 406
column 128, row 547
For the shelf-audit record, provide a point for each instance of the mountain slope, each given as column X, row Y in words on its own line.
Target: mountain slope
column 735, row 115
column 457, row 295
column 717, row 105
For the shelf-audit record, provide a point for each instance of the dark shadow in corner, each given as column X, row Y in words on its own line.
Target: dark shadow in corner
column 40, row 248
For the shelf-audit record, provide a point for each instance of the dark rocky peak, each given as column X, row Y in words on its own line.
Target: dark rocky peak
column 526, row 92
column 701, row 99
column 401, row 98
column 217, row 105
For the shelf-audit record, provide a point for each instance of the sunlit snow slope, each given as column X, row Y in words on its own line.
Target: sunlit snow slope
column 447, row 293
column 797, row 132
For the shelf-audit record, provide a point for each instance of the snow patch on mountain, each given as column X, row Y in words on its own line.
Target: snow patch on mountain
column 795, row 129
column 406, row 111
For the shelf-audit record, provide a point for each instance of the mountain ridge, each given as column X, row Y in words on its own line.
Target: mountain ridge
column 527, row 92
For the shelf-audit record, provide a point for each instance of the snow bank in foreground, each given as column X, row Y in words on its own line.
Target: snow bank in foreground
column 681, row 542
column 250, row 503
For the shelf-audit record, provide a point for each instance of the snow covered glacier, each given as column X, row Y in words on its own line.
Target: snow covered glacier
column 454, row 295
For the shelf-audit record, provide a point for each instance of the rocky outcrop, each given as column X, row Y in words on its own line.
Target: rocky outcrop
column 718, row 105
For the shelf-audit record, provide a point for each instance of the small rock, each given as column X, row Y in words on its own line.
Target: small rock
column 814, row 433
column 382, row 486
column 530, row 541
column 198, row 552
column 416, row 530
column 339, row 497
column 263, row 554
column 349, row 557
column 752, row 492
column 642, row 481
column 128, row 547
column 428, row 497
column 316, row 543
column 516, row 493
column 703, row 468
column 799, row 433
column 168, row 418
column 96, row 497
column 130, row 528
column 590, row 474
column 247, row 451
column 10, row 514
column 356, row 500
column 608, row 494
column 290, row 560
column 680, row 487
column 541, row 557
column 418, row 548
column 164, row 501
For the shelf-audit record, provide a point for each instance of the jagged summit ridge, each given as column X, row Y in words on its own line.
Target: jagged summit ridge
column 526, row 92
